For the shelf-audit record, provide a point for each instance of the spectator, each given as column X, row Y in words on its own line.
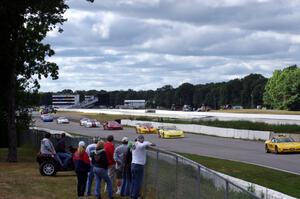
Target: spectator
column 100, row 162
column 119, row 157
column 126, row 181
column 109, row 148
column 82, row 167
column 48, row 148
column 61, row 151
column 90, row 149
column 137, row 165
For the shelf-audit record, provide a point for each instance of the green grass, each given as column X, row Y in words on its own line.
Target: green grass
column 281, row 181
column 241, row 124
column 22, row 180
column 260, row 126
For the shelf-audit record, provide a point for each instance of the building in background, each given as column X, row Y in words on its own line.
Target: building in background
column 65, row 101
column 134, row 104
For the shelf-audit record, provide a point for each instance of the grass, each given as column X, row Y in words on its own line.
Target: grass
column 241, row 124
column 260, row 111
column 281, row 181
column 22, row 180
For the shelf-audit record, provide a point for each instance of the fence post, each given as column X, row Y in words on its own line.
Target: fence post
column 198, row 181
column 156, row 175
column 176, row 178
column 226, row 190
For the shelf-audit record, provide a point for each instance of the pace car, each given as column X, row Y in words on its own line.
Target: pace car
column 170, row 132
column 91, row 123
column 145, row 128
column 47, row 118
column 282, row 144
column 112, row 125
column 62, row 120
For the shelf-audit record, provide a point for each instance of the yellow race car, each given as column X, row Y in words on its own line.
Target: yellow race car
column 145, row 128
column 169, row 132
column 282, row 144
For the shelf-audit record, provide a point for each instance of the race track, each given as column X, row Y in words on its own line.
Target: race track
column 225, row 148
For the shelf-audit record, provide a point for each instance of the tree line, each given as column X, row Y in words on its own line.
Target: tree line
column 247, row 92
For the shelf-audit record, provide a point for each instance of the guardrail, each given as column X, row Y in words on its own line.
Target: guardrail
column 167, row 174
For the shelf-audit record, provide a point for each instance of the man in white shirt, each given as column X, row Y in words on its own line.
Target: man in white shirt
column 137, row 165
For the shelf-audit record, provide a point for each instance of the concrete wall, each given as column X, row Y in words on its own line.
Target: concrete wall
column 207, row 130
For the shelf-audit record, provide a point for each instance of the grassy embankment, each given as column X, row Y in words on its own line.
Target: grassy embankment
column 284, row 128
column 281, row 181
column 23, row 180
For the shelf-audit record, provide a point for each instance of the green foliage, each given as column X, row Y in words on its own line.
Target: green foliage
column 283, row 89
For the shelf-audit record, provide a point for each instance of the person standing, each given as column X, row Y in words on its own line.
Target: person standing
column 109, row 148
column 119, row 157
column 48, row 148
column 126, row 181
column 90, row 149
column 100, row 162
column 137, row 165
column 82, row 167
column 61, row 151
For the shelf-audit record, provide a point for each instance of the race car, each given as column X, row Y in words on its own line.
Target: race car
column 169, row 132
column 47, row 118
column 282, row 144
column 83, row 121
column 145, row 128
column 62, row 120
column 112, row 125
column 91, row 123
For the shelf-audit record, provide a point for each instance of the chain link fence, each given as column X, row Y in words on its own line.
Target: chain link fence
column 167, row 175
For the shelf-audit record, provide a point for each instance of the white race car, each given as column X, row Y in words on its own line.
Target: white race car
column 62, row 120
column 83, row 121
column 92, row 123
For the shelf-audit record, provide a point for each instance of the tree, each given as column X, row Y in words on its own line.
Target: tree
column 283, row 89
column 24, row 25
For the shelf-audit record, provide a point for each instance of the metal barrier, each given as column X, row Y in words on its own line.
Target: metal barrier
column 168, row 175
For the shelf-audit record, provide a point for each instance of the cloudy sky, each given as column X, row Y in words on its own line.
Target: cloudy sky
column 146, row 44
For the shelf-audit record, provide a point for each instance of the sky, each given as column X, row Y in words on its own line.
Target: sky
column 146, row 44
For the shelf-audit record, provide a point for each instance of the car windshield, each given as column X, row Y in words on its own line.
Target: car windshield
column 284, row 139
column 93, row 120
column 113, row 122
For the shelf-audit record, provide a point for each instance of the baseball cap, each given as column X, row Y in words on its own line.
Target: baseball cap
column 140, row 137
column 81, row 144
column 125, row 139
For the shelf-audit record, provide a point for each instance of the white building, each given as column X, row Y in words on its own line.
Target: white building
column 65, row 101
column 134, row 104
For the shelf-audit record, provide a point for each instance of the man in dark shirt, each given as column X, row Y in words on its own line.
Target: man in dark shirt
column 61, row 151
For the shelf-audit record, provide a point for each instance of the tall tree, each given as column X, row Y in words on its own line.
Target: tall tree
column 24, row 25
column 283, row 89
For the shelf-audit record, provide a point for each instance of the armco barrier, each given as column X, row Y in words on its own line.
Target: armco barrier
column 171, row 176
column 216, row 131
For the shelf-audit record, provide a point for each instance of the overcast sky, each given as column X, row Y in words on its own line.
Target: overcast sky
column 146, row 44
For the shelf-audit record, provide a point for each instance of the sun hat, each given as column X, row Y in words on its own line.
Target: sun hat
column 81, row 144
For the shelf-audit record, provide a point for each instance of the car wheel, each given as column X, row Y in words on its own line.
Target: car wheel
column 276, row 150
column 48, row 168
column 267, row 149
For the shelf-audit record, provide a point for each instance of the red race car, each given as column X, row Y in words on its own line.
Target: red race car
column 112, row 125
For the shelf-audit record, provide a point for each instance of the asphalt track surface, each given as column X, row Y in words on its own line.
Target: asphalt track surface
column 224, row 148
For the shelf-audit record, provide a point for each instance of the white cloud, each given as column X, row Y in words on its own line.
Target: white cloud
column 142, row 44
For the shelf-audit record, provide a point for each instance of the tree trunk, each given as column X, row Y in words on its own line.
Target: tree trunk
column 12, row 131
